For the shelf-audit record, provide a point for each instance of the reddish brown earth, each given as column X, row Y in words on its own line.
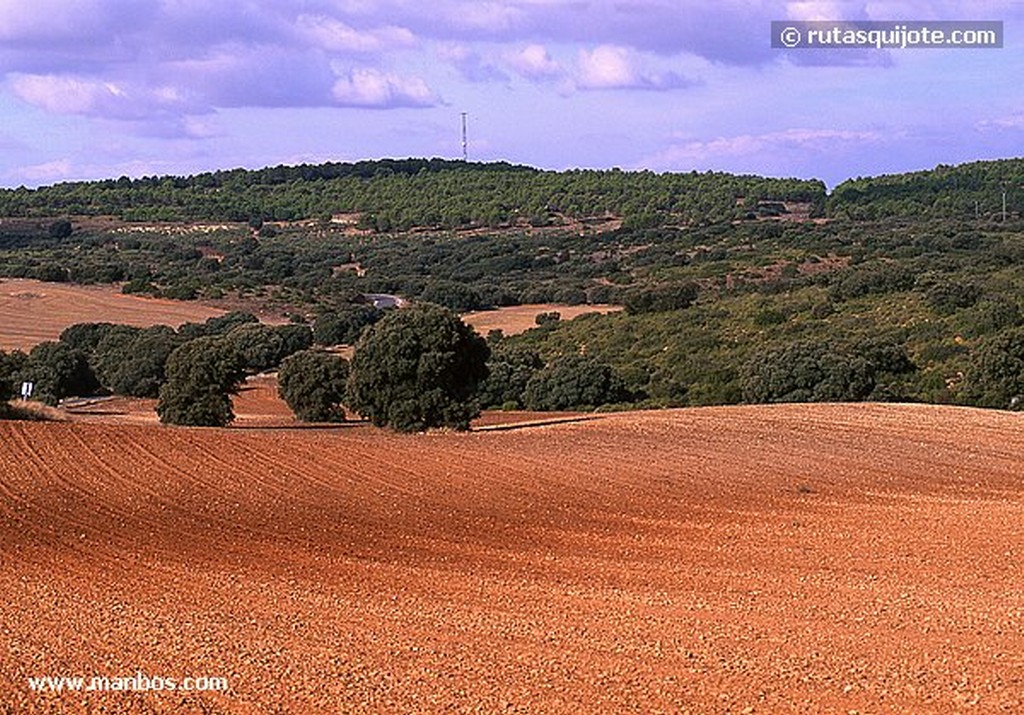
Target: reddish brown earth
column 729, row 560
column 32, row 311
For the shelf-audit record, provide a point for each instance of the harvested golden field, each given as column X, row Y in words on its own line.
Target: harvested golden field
column 728, row 560
column 32, row 312
column 516, row 319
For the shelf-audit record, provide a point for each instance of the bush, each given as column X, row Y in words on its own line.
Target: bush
column 877, row 278
column 58, row 371
column 344, row 326
column 995, row 377
column 260, row 347
column 140, row 370
column 807, row 372
column 677, row 296
column 202, row 375
column 312, row 382
column 947, row 297
column 510, row 371
column 418, row 368
column 574, row 382
column 456, row 296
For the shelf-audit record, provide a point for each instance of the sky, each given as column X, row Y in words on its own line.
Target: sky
column 93, row 89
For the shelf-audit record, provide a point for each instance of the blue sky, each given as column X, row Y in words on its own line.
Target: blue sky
column 103, row 88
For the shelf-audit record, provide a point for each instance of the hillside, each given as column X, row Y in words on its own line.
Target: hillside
column 883, row 293
column 766, row 559
column 407, row 193
column 969, row 190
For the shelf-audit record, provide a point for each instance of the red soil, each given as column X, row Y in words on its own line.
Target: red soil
column 767, row 559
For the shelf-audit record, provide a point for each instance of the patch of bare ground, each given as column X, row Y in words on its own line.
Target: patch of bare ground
column 845, row 558
column 516, row 319
column 32, row 312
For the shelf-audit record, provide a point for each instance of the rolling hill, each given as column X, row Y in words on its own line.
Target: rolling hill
column 740, row 559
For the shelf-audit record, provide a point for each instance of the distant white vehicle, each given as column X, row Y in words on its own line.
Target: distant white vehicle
column 384, row 301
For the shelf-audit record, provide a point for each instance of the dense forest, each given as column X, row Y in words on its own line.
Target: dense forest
column 403, row 194
column 736, row 289
column 966, row 191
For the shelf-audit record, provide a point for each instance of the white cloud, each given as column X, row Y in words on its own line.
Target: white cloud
column 606, row 67
column 612, row 67
column 470, row 63
column 47, row 172
column 488, row 17
column 333, row 35
column 534, row 62
column 62, row 20
column 64, row 94
column 808, row 10
column 375, row 89
column 692, row 154
column 1013, row 122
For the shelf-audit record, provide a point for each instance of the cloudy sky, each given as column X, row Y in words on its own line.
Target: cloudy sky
column 104, row 88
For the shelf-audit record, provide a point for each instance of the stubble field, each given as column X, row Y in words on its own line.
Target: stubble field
column 32, row 311
column 757, row 559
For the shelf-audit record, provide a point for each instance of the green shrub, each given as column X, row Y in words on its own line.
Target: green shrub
column 807, row 372
column 202, row 375
column 312, row 382
column 574, row 382
column 418, row 368
column 995, row 376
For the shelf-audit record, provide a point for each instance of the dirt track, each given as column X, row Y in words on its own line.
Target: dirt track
column 771, row 559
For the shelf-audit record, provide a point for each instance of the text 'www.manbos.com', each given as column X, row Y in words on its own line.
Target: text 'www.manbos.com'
column 896, row 35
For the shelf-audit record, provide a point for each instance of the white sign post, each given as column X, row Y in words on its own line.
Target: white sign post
column 26, row 390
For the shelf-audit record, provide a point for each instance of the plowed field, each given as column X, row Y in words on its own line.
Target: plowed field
column 735, row 560
column 32, row 312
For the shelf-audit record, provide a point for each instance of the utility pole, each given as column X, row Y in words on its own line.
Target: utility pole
column 1004, row 204
column 465, row 144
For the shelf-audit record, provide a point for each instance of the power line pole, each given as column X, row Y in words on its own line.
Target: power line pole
column 465, row 144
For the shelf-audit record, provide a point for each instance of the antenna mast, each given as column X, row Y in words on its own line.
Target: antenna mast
column 465, row 144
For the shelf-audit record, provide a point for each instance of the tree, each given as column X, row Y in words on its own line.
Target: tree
column 202, row 375
column 140, row 369
column 312, row 382
column 456, row 296
column 574, row 382
column 260, row 347
column 672, row 296
column 61, row 229
column 995, row 377
column 294, row 338
column 345, row 325
column 418, row 368
column 6, row 380
column 806, row 371
column 510, row 372
column 58, row 371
